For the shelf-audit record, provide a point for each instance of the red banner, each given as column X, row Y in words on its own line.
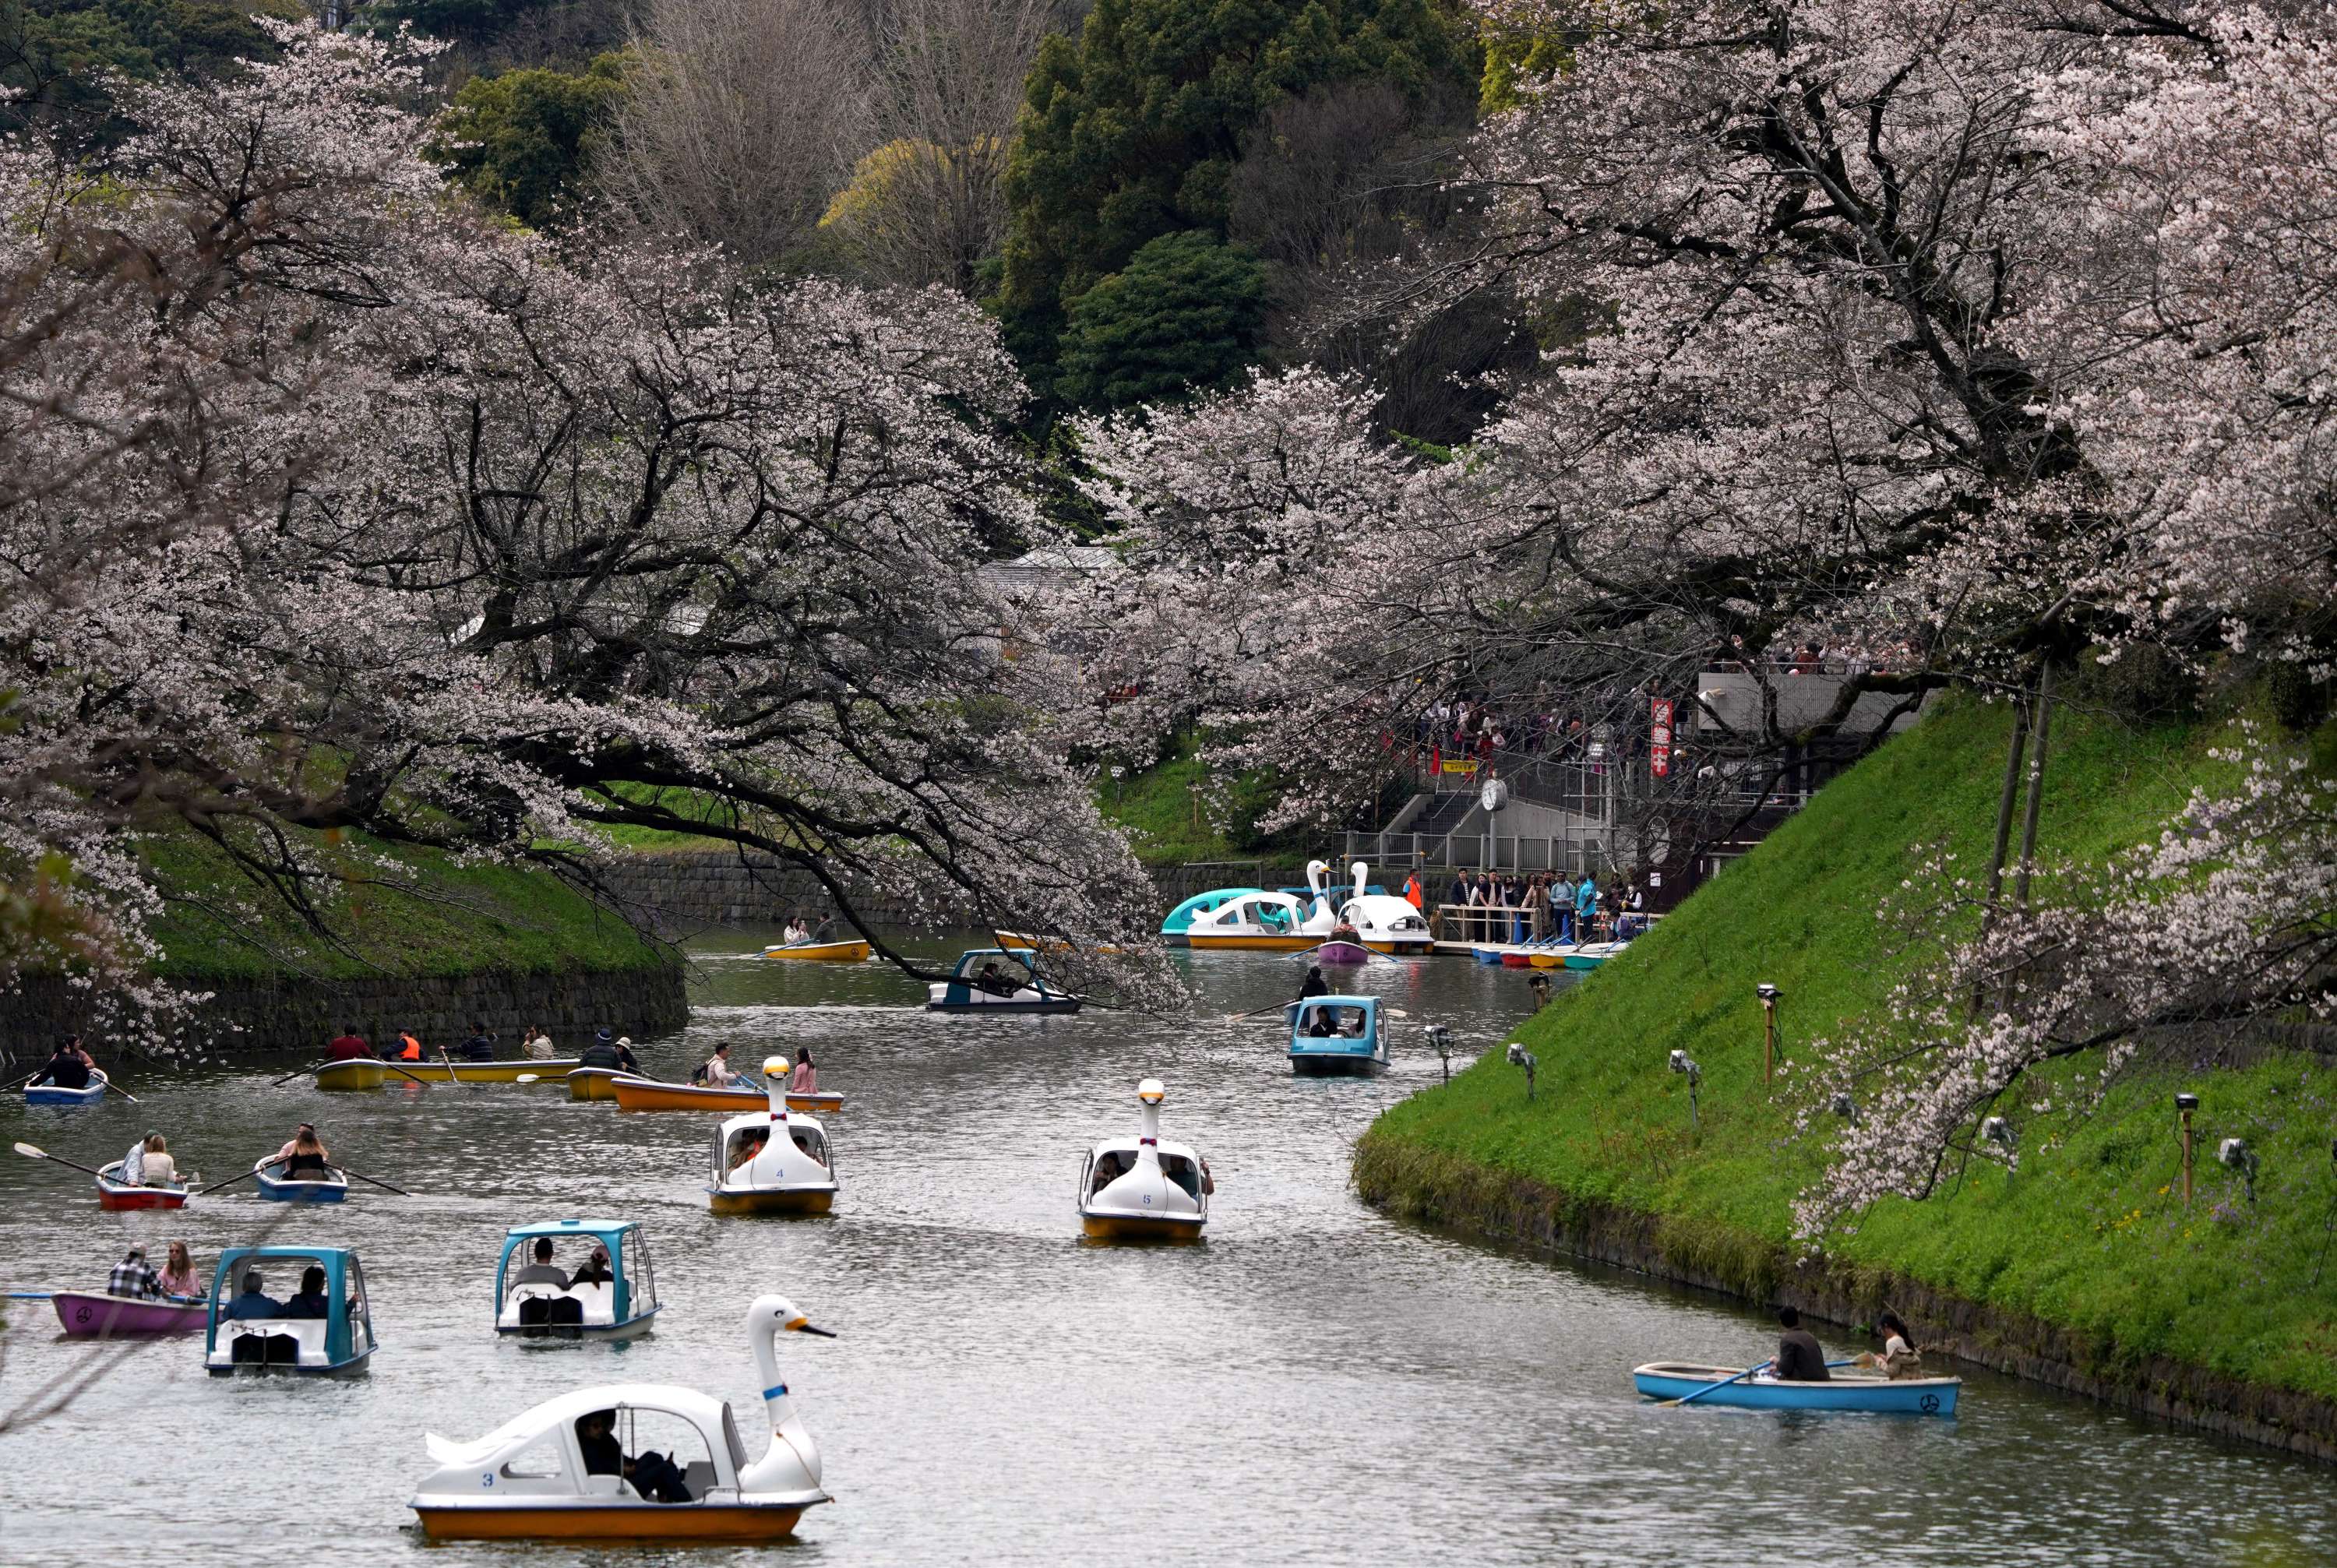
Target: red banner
column 1659, row 736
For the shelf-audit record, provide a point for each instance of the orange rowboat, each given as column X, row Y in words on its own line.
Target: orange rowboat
column 649, row 1094
column 822, row 952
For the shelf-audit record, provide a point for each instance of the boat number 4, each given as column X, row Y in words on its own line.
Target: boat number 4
column 1931, row 1403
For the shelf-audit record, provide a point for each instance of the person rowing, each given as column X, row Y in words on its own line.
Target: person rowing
column 716, row 1074
column 68, row 1066
column 608, row 1052
column 303, row 1159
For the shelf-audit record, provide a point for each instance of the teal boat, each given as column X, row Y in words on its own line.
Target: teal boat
column 618, row 1306
column 334, row 1343
column 999, row 980
column 1880, row 1396
column 1180, row 919
column 1336, row 1037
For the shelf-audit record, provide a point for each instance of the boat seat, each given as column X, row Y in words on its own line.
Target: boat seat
column 594, row 1303
column 699, row 1477
column 277, row 1341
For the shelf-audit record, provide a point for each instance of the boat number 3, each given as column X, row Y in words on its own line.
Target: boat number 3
column 1931, row 1403
column 486, row 1477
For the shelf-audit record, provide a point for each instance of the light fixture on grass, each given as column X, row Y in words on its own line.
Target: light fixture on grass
column 2235, row 1155
column 1521, row 1057
column 1684, row 1066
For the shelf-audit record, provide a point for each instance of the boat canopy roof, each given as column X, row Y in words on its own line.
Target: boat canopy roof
column 711, row 1415
column 1370, row 1004
column 610, row 1233
column 338, row 1263
column 1200, row 902
column 973, row 958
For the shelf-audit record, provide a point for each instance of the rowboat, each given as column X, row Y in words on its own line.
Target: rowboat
column 351, row 1072
column 620, row 1304
column 51, row 1095
column 1049, row 943
column 445, row 1072
column 852, row 952
column 1336, row 1037
column 1593, row 955
column 593, row 1082
column 1897, row 1397
column 636, row 1094
column 769, row 1163
column 308, row 1190
column 114, row 1193
column 1343, row 952
column 528, row 1479
column 1142, row 1190
column 86, row 1314
column 337, row 1343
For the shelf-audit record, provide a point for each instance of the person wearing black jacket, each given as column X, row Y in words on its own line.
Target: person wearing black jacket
column 1315, row 986
column 481, row 1045
column 1799, row 1359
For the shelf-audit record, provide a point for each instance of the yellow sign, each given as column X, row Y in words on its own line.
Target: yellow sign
column 1461, row 765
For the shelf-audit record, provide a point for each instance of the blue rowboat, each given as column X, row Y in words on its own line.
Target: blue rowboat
column 51, row 1094
column 308, row 1190
column 1489, row 957
column 1885, row 1396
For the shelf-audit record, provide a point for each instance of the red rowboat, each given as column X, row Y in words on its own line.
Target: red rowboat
column 120, row 1317
column 113, row 1193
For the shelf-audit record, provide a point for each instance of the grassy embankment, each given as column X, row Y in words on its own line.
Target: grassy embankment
column 2090, row 1235
column 427, row 915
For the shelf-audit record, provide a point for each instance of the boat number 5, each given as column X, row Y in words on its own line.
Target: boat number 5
column 1147, row 1199
column 1931, row 1403
column 486, row 1477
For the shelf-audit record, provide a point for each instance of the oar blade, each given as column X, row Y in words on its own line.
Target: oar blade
column 29, row 1152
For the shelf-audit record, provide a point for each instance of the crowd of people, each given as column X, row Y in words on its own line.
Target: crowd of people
column 480, row 1045
column 1519, row 908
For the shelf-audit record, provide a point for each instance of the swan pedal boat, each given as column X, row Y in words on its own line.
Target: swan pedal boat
column 527, row 1480
column 1279, row 922
column 90, row 1313
column 793, row 1172
column 852, row 952
column 1337, row 1053
column 1176, row 926
column 1898, row 1396
column 624, row 1307
column 338, row 1345
column 1159, row 1191
column 116, row 1194
column 632, row 1092
column 334, row 1189
column 54, row 1094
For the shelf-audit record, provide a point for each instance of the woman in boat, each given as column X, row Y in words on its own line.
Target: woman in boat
column 748, row 1147
column 68, row 1067
column 307, row 1161
column 805, row 1080
column 179, row 1277
column 537, row 1046
column 1899, row 1358
column 156, row 1168
column 596, row 1269
column 307, row 1130
column 796, row 934
column 311, row 1302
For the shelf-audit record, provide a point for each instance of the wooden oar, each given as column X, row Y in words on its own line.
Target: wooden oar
column 377, row 1181
column 402, row 1072
column 233, row 1179
column 29, row 1152
column 27, row 1078
column 1269, row 1007
column 117, row 1088
column 1691, row 1398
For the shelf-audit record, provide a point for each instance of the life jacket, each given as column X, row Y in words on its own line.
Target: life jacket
column 409, row 1049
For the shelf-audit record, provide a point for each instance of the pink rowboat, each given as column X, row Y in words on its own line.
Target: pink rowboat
column 113, row 1193
column 1343, row 952
column 120, row 1317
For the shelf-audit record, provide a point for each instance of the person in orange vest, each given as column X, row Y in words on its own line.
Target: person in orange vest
column 409, row 1049
column 1411, row 891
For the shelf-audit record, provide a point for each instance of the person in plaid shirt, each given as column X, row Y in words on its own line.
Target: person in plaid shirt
column 133, row 1278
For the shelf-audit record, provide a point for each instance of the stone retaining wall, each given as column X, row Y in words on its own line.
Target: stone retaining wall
column 1442, row 1190
column 300, row 1014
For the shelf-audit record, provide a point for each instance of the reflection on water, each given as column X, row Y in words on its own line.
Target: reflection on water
column 1313, row 1384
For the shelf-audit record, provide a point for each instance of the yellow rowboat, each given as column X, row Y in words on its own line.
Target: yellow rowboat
column 1045, row 944
column 821, row 952
column 593, row 1082
column 355, row 1072
column 632, row 1093
column 1547, row 960
column 769, row 1202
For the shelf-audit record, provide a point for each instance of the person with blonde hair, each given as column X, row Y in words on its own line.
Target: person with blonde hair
column 156, row 1167
column 179, row 1277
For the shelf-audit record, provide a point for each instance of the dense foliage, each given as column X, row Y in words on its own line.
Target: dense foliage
column 523, row 140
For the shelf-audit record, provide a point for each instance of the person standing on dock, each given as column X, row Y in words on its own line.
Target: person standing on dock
column 1585, row 907
column 1412, row 893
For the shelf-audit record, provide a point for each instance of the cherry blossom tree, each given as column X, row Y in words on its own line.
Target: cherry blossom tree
column 334, row 508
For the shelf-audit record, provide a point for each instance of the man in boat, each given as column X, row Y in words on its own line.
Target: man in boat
column 408, row 1049
column 1313, row 985
column 653, row 1474
column 542, row 1271
column 133, row 1278
column 134, row 1164
column 717, row 1070
column 311, row 1302
column 253, row 1301
column 481, row 1045
column 348, row 1047
column 1799, row 1359
column 607, row 1051
column 68, row 1067
column 991, row 983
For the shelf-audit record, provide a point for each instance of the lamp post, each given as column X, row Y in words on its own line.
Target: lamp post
column 1685, row 1065
column 1117, row 770
column 2185, row 1104
column 2236, row 1154
column 1521, row 1057
column 1769, row 994
column 1440, row 1039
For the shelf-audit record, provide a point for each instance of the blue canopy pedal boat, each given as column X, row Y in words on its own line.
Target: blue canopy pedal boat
column 1713, row 1385
column 998, row 980
column 324, row 1329
column 607, row 1289
column 1336, row 1037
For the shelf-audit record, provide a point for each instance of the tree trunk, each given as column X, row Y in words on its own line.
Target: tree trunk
column 2040, row 720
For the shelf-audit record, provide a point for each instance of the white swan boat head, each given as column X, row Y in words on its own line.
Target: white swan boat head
column 772, row 1161
column 1142, row 1188
column 592, row 1465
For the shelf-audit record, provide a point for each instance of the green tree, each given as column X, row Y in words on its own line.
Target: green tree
column 1132, row 132
column 1186, row 315
column 523, row 140
column 57, row 55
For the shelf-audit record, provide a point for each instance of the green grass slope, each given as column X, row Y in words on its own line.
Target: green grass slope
column 427, row 915
column 2089, row 1235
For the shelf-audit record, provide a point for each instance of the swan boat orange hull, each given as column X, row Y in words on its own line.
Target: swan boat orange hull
column 616, row 1521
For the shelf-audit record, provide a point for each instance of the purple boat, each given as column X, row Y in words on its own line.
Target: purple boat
column 1343, row 952
column 121, row 1318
